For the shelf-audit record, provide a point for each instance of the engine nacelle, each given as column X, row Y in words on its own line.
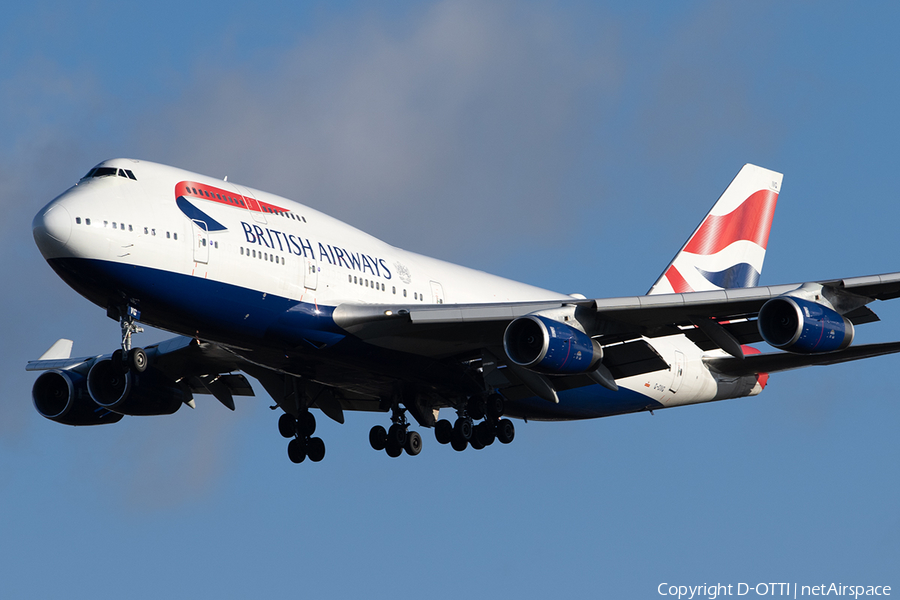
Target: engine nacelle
column 542, row 344
column 62, row 396
column 132, row 393
column 803, row 326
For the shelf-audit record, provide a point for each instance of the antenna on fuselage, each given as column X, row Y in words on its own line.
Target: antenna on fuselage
column 226, row 178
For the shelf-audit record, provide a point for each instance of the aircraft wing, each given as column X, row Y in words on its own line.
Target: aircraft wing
column 784, row 361
column 455, row 329
column 203, row 368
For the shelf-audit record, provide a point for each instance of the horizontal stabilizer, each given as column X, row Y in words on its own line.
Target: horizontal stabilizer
column 783, row 361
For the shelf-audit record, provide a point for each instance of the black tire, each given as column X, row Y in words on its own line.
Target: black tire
column 458, row 443
column 413, row 443
column 494, row 406
column 296, row 451
column 378, row 438
column 397, row 435
column 393, row 449
column 443, row 431
column 463, row 428
column 484, row 432
column 475, row 407
column 505, row 431
column 137, row 360
column 476, row 443
column 306, row 424
column 316, row 449
column 287, row 425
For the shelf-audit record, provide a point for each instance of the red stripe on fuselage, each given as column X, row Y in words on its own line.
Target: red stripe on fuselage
column 750, row 221
column 192, row 189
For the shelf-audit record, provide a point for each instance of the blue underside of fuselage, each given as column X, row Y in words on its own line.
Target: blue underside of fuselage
column 251, row 319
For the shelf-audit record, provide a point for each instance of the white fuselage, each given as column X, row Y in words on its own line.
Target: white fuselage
column 270, row 245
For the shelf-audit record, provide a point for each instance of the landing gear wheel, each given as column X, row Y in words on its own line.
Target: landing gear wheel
column 494, row 406
column 476, row 443
column 393, row 449
column 297, row 451
column 475, row 407
column 396, row 435
column 463, row 428
column 316, row 449
column 505, row 431
column 137, row 360
column 458, row 443
column 378, row 437
column 287, row 426
column 413, row 443
column 306, row 424
column 443, row 431
column 484, row 433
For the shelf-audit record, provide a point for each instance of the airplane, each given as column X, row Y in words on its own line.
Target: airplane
column 329, row 318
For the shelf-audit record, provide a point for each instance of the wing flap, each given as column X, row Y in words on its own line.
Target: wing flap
column 783, row 361
column 632, row 358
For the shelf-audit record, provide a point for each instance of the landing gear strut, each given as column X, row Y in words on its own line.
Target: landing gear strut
column 464, row 433
column 128, row 358
column 397, row 437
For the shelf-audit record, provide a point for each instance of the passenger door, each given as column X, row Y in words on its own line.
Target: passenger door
column 201, row 241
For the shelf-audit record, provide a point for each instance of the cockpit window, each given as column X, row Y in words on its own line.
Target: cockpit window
column 104, row 172
column 109, row 171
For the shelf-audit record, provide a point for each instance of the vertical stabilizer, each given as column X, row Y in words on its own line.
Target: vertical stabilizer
column 728, row 248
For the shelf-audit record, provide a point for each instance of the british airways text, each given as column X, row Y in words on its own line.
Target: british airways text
column 292, row 244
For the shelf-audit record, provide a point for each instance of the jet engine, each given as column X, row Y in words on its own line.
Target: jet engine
column 544, row 345
column 803, row 326
column 62, row 396
column 131, row 393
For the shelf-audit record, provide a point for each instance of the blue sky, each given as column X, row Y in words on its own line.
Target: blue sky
column 571, row 145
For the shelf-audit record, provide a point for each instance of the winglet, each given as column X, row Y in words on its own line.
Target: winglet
column 61, row 350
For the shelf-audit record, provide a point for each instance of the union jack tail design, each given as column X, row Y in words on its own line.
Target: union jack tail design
column 728, row 248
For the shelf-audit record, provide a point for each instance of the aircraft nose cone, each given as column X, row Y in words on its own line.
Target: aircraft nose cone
column 52, row 226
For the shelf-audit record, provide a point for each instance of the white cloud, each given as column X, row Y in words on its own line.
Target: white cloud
column 465, row 115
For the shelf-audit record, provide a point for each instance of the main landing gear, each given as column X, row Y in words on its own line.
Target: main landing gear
column 301, row 429
column 397, row 438
column 464, row 432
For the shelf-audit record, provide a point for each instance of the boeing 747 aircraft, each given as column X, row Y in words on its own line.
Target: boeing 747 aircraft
column 327, row 317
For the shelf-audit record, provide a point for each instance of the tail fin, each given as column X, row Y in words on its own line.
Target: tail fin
column 728, row 248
